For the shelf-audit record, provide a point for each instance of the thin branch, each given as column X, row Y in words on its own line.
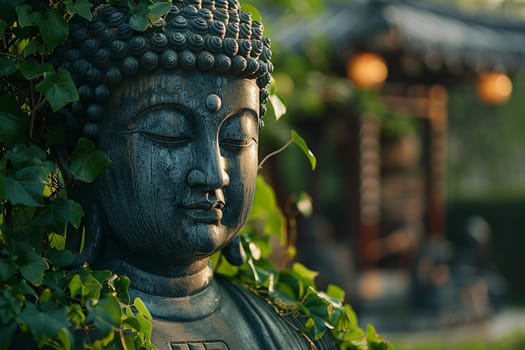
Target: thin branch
column 269, row 155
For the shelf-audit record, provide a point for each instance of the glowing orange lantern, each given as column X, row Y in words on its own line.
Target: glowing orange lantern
column 367, row 70
column 494, row 88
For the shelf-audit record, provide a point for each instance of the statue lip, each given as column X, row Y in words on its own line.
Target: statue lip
column 205, row 211
column 208, row 216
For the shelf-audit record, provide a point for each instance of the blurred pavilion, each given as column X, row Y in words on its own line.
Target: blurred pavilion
column 393, row 192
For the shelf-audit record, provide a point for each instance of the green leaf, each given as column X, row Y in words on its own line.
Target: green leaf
column 307, row 276
column 44, row 324
column 266, row 210
column 145, row 327
column 75, row 285
column 7, row 65
column 91, row 288
column 25, row 188
column 59, row 212
column 22, row 156
column 376, row 342
column 320, row 328
column 253, row 10
column 315, row 327
column 318, row 306
column 53, row 28
column 348, row 319
column 7, row 269
column 10, row 128
column 278, row 105
column 129, row 343
column 76, row 314
column 57, row 241
column 132, row 322
column 31, row 68
column 299, row 141
column 32, row 47
column 141, row 308
column 85, row 284
column 121, row 285
column 10, row 306
column 222, row 266
column 289, row 286
column 60, row 258
column 103, row 342
column 33, row 269
column 157, row 10
column 26, row 16
column 335, row 292
column 23, row 288
column 59, row 89
column 139, row 15
column 105, row 314
column 309, row 324
column 260, row 274
column 47, row 296
column 65, row 338
column 102, row 275
column 57, row 280
column 87, row 162
column 80, row 7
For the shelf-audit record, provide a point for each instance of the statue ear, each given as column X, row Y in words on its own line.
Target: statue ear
column 87, row 241
column 234, row 252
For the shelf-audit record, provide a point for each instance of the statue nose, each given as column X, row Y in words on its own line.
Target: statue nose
column 209, row 166
column 209, row 180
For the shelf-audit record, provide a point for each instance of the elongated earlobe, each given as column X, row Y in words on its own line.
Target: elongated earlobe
column 234, row 252
column 87, row 241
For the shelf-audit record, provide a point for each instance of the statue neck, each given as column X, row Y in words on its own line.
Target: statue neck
column 149, row 275
column 184, row 297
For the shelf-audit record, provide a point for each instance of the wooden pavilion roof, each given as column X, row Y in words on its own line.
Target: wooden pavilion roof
column 438, row 35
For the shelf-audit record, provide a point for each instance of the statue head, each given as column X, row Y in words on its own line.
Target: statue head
column 178, row 110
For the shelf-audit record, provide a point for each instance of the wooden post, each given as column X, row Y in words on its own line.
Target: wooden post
column 437, row 165
column 369, row 187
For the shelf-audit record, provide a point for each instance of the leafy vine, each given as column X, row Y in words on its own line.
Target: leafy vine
column 44, row 302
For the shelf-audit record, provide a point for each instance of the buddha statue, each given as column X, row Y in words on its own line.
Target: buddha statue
column 178, row 110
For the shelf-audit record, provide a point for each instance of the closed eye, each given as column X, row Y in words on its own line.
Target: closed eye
column 165, row 139
column 238, row 142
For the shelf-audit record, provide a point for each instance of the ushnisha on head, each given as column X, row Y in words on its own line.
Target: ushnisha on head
column 197, row 35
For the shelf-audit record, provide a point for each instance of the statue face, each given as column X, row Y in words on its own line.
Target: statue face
column 184, row 163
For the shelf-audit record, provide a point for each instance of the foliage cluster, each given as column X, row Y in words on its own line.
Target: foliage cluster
column 44, row 301
column 292, row 292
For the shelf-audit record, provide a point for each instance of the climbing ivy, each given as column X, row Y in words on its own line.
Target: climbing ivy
column 46, row 303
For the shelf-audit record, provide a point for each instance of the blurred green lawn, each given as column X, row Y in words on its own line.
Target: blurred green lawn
column 513, row 341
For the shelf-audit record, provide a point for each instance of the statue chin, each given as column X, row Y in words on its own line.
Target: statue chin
column 180, row 241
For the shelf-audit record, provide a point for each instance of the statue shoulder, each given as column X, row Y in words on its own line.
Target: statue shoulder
column 277, row 332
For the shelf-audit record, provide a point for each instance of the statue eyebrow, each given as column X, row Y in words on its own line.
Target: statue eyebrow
column 171, row 106
column 242, row 111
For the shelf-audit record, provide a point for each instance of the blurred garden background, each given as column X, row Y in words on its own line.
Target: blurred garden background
column 414, row 110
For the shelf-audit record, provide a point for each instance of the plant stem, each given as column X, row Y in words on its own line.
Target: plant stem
column 269, row 155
